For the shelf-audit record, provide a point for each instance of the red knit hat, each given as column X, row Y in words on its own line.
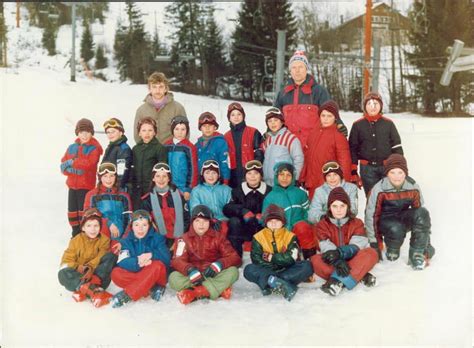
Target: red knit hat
column 330, row 106
column 338, row 194
column 273, row 211
column 395, row 160
column 84, row 125
column 235, row 106
column 207, row 118
column 372, row 95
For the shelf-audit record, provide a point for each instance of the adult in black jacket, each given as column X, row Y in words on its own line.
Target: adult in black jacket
column 245, row 207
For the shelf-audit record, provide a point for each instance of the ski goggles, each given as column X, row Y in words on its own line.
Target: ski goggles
column 210, row 164
column 113, row 123
column 330, row 166
column 91, row 212
column 253, row 165
column 161, row 167
column 273, row 111
column 140, row 214
column 107, row 167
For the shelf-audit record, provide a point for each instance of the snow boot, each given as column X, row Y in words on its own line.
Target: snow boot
column 98, row 296
column 227, row 293
column 78, row 296
column 187, row 296
column 392, row 254
column 417, row 259
column 279, row 285
column 430, row 251
column 307, row 253
column 156, row 292
column 119, row 299
column 267, row 291
column 332, row 287
column 369, row 280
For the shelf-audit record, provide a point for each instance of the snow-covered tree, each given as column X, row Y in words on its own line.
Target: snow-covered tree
column 100, row 59
column 87, row 43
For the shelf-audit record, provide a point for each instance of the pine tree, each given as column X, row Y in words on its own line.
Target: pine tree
column 49, row 39
column 100, row 59
column 87, row 43
column 3, row 37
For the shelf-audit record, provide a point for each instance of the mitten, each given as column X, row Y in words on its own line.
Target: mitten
column 66, row 164
column 213, row 269
column 375, row 246
column 195, row 276
column 348, row 251
column 331, row 256
column 342, row 268
column 248, row 216
column 355, row 178
column 341, row 127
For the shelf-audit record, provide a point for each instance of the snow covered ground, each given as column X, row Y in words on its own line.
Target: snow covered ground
column 39, row 109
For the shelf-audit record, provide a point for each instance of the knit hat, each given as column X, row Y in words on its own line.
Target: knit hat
column 180, row 120
column 235, row 106
column 395, row 160
column 281, row 166
column 91, row 214
column 332, row 167
column 84, row 125
column 211, row 165
column 372, row 95
column 141, row 214
column 274, row 112
column 254, row 165
column 201, row 211
column 207, row 118
column 147, row 120
column 299, row 56
column 114, row 123
column 330, row 106
column 273, row 211
column 338, row 194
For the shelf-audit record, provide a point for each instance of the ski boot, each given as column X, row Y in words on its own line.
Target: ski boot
column 392, row 254
column 119, row 299
column 279, row 285
column 332, row 287
column 267, row 291
column 98, row 296
column 417, row 259
column 429, row 253
column 187, row 296
column 156, row 292
column 369, row 280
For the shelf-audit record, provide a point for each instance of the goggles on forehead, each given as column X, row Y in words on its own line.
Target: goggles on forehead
column 330, row 166
column 251, row 165
column 161, row 167
column 112, row 123
column 273, row 110
column 210, row 164
column 140, row 214
column 91, row 212
column 107, row 168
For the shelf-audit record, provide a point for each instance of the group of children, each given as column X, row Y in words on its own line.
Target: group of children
column 181, row 213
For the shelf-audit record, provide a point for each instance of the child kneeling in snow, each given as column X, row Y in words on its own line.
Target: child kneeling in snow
column 86, row 263
column 205, row 261
column 274, row 257
column 142, row 264
column 346, row 257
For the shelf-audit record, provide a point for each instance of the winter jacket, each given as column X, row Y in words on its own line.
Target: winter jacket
column 168, row 211
column 293, row 199
column 81, row 174
column 145, row 156
column 193, row 251
column 281, row 243
column 85, row 251
column 281, row 147
column 182, row 159
column 319, row 205
column 114, row 205
column 244, row 145
column 325, row 144
column 162, row 117
column 119, row 153
column 246, row 199
column 373, row 139
column 214, row 196
column 334, row 233
column 216, row 149
column 132, row 247
column 385, row 200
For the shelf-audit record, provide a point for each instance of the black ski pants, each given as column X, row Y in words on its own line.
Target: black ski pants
column 295, row 274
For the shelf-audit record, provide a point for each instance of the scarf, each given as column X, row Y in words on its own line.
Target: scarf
column 159, row 104
column 178, row 211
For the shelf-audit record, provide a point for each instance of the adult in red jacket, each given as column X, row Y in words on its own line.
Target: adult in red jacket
column 325, row 144
column 205, row 262
column 346, row 257
column 301, row 98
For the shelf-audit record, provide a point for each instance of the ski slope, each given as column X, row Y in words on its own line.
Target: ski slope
column 39, row 109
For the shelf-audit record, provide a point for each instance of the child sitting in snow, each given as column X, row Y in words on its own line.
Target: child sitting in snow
column 86, row 263
column 118, row 152
column 79, row 164
column 346, row 257
column 274, row 257
column 182, row 157
column 142, row 264
column 244, row 143
column 205, row 263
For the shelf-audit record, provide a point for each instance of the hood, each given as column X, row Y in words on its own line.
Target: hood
column 275, row 175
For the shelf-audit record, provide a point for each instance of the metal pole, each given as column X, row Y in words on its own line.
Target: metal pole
column 280, row 60
column 376, row 70
column 73, row 49
column 367, row 41
column 17, row 13
column 393, row 99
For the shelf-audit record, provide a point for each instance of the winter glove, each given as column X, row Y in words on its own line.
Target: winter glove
column 342, row 268
column 341, row 127
column 348, row 251
column 355, row 178
column 195, row 276
column 213, row 269
column 375, row 246
column 66, row 164
column 248, row 216
column 267, row 257
column 331, row 256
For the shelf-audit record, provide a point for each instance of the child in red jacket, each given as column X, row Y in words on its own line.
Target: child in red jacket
column 79, row 164
column 204, row 260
